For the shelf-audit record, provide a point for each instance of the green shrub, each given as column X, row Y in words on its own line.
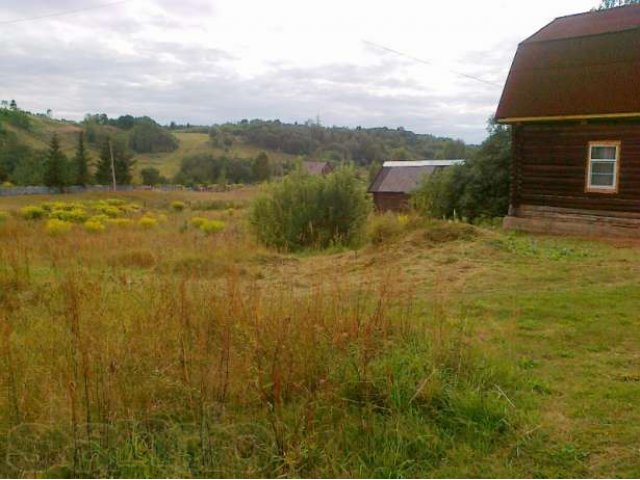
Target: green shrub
column 215, row 205
column 109, row 210
column 178, row 206
column 476, row 189
column 198, row 221
column 94, row 226
column 212, row 226
column 383, row 228
column 4, row 216
column 77, row 215
column 311, row 211
column 102, row 218
column 57, row 227
column 32, row 212
column 148, row 222
column 118, row 222
column 130, row 208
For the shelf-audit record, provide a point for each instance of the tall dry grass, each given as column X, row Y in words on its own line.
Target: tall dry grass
column 140, row 353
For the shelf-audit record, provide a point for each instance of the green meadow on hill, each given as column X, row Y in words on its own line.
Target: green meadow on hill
column 25, row 139
column 148, row 334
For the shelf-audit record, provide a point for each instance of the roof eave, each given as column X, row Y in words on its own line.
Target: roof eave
column 564, row 118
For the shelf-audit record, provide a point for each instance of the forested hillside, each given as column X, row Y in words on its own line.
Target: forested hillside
column 242, row 152
column 360, row 145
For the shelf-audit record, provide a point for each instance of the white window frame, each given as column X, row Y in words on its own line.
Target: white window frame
column 616, row 169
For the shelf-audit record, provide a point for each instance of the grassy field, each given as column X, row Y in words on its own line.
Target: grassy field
column 153, row 348
column 191, row 143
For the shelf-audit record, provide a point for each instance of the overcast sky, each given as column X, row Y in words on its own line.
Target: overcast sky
column 205, row 62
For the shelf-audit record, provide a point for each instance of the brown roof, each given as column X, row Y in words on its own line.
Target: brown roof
column 399, row 180
column 317, row 168
column 580, row 65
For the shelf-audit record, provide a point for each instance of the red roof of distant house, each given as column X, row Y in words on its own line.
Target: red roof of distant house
column 317, row 168
column 577, row 66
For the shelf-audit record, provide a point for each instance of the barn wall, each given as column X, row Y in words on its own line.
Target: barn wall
column 550, row 166
column 391, row 201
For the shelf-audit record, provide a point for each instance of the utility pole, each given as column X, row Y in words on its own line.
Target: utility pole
column 113, row 166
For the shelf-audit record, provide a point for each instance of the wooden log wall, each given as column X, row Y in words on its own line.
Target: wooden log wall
column 550, row 165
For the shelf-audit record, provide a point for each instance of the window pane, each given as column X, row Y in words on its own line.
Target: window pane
column 602, row 174
column 603, row 167
column 603, row 153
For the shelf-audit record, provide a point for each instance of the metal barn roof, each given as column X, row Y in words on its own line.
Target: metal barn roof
column 579, row 66
column 422, row 163
column 405, row 177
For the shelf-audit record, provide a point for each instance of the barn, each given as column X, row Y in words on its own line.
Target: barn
column 572, row 98
column 393, row 184
column 317, row 168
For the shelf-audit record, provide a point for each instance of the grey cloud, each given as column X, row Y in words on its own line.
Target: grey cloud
column 189, row 83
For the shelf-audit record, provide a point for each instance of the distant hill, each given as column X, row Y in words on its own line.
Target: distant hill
column 24, row 138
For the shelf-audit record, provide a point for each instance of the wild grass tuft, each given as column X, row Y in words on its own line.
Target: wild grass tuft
column 211, row 226
column 32, row 212
column 94, row 226
column 57, row 227
column 148, row 222
column 198, row 221
column 178, row 206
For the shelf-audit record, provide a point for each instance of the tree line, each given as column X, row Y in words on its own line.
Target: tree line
column 141, row 134
column 54, row 169
column 361, row 146
column 208, row 169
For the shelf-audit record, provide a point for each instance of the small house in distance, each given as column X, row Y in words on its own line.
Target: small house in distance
column 395, row 181
column 573, row 100
column 317, row 168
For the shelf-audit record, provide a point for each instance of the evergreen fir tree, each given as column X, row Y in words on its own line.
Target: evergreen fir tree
column 56, row 166
column 103, row 167
column 122, row 161
column 124, row 164
column 81, row 163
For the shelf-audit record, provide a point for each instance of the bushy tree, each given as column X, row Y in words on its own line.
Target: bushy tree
column 123, row 163
column 479, row 188
column 16, row 117
column 56, row 168
column 261, row 167
column 29, row 168
column 151, row 176
column 149, row 137
column 208, row 168
column 81, row 175
column 606, row 4
column 311, row 211
column 214, row 136
column 19, row 163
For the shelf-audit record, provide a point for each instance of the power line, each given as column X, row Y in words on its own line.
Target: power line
column 427, row 62
column 60, row 14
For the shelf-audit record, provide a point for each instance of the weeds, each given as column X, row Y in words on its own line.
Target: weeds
column 300, row 371
column 166, row 352
column 58, row 227
column 32, row 212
